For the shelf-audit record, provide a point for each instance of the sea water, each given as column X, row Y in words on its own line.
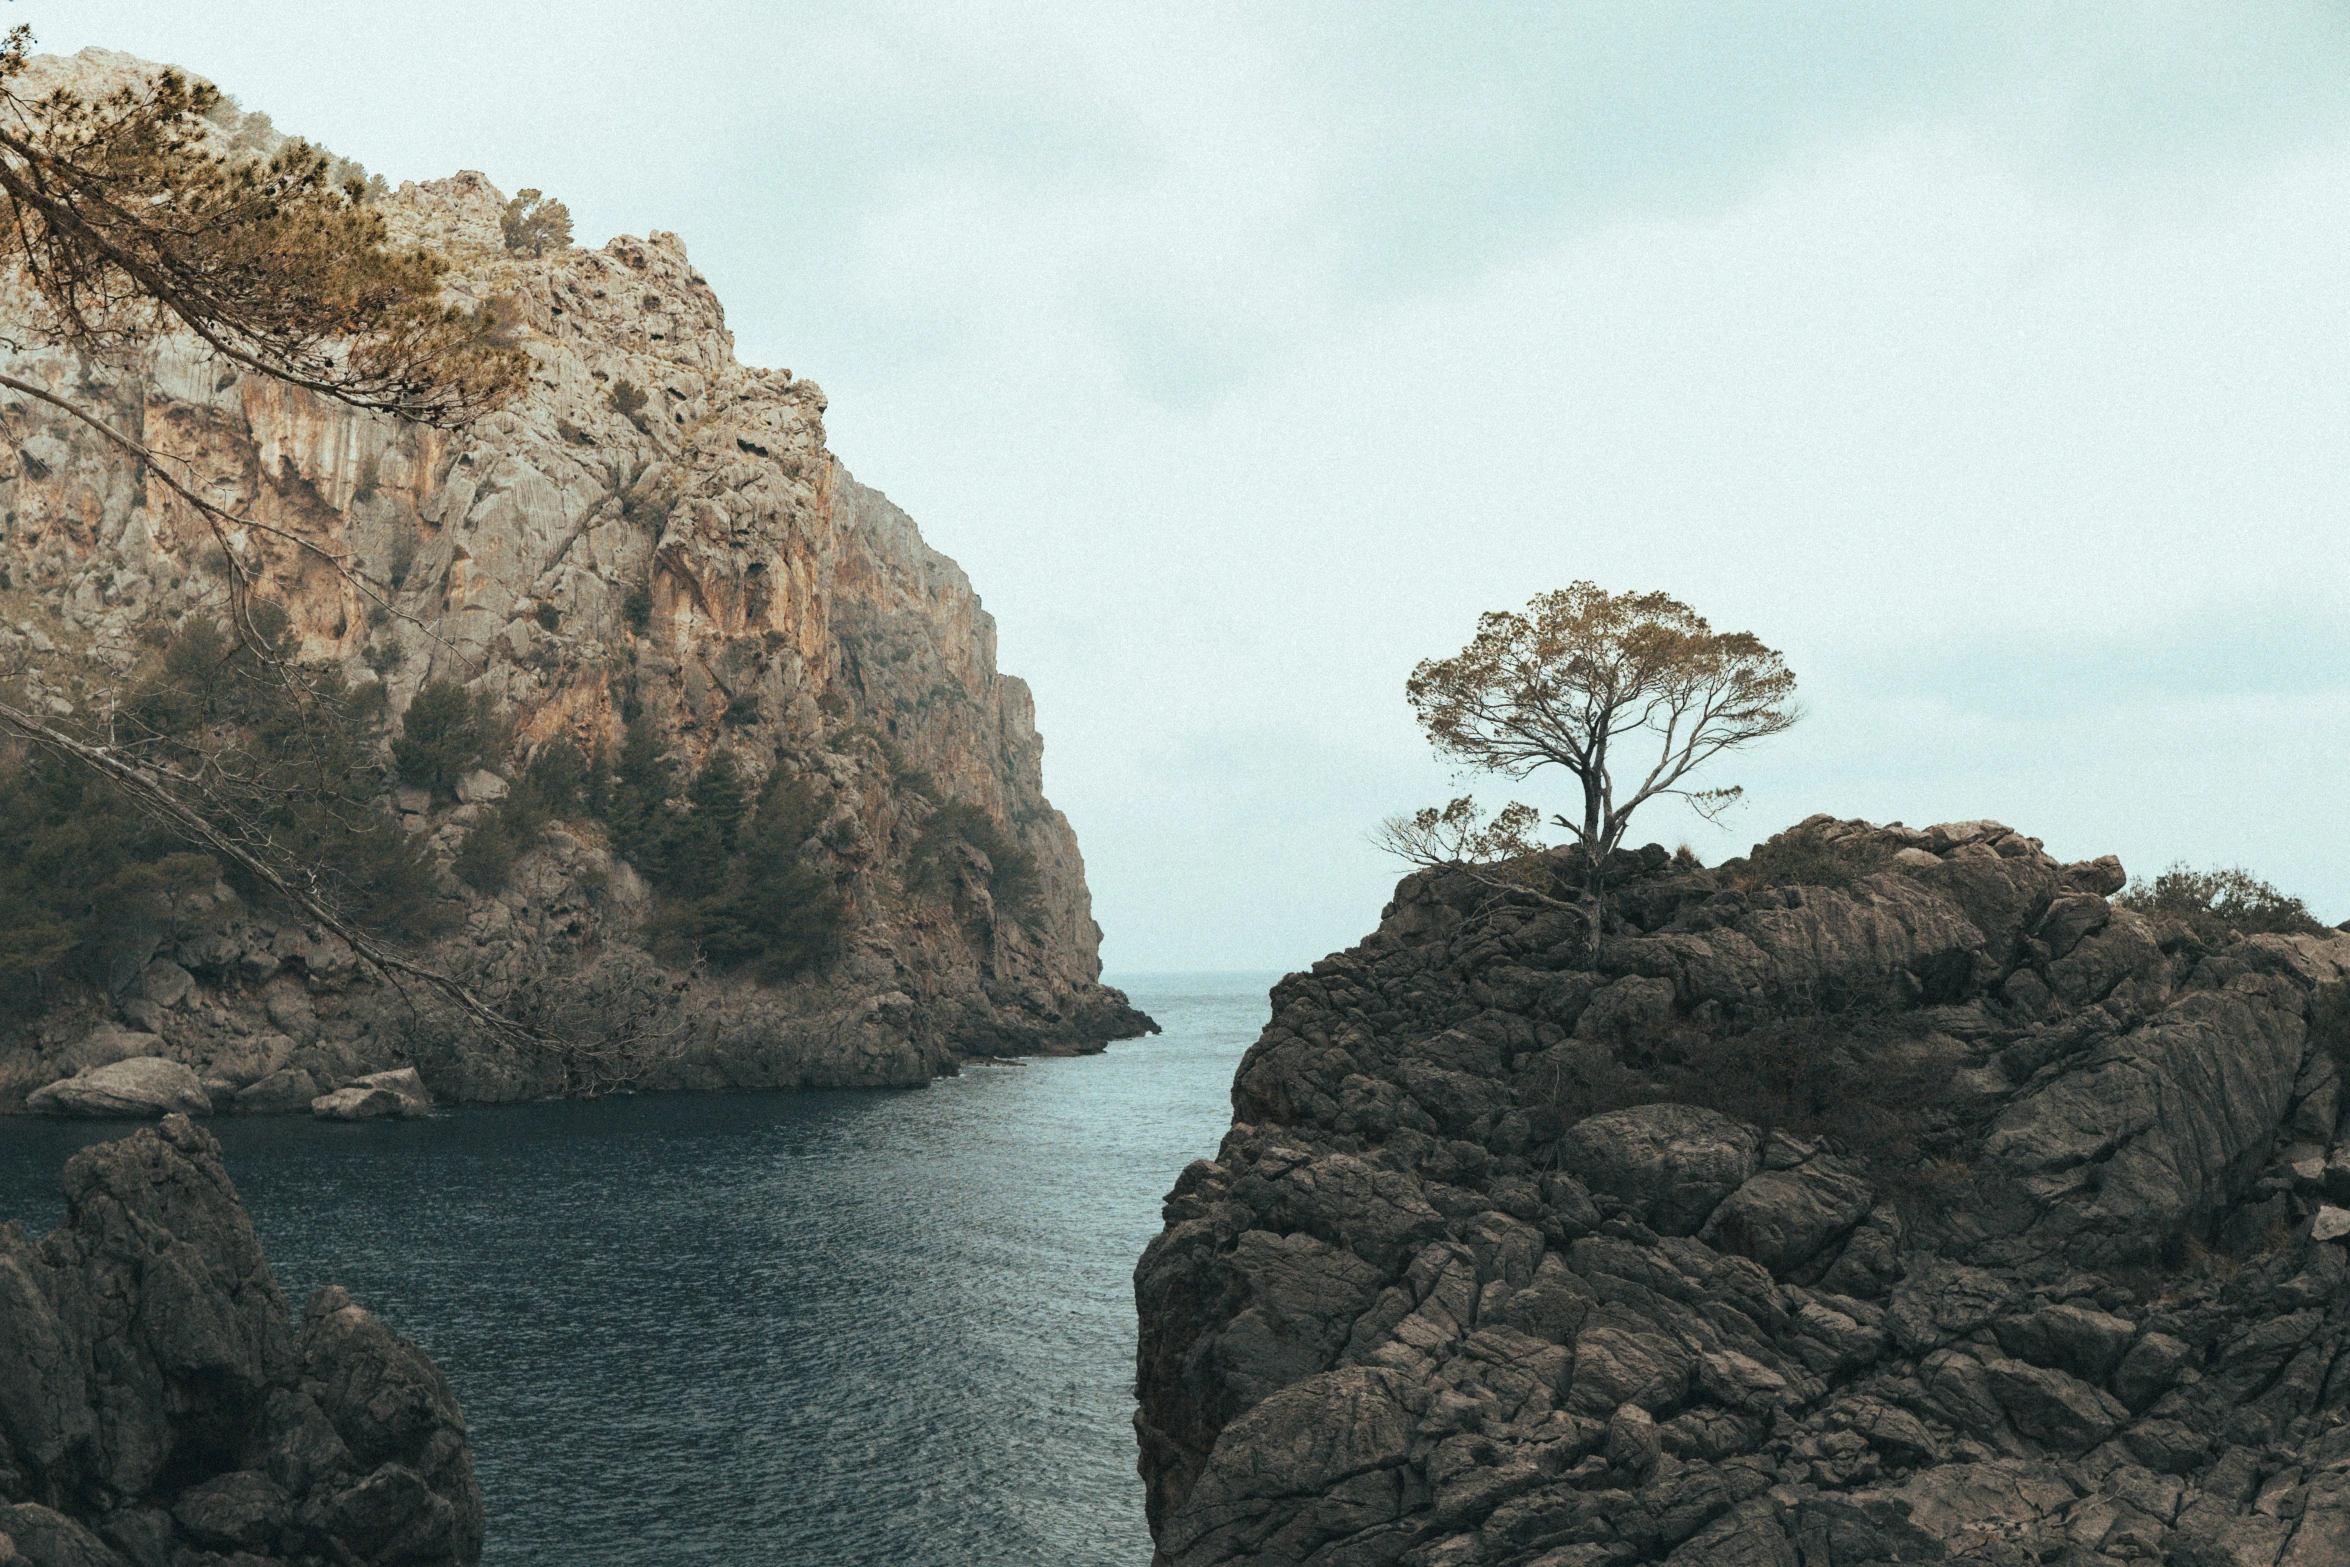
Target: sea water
column 874, row 1327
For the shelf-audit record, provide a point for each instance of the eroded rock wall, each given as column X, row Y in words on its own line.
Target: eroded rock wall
column 703, row 557
column 1420, row 1310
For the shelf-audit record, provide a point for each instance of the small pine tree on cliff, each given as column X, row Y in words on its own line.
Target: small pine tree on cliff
column 534, row 223
column 1629, row 693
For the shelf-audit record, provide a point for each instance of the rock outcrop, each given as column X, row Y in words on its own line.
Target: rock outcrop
column 378, row 1096
column 159, row 1407
column 141, row 1087
column 651, row 528
column 2036, row 1260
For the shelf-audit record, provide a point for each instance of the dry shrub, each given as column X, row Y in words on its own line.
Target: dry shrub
column 1805, row 859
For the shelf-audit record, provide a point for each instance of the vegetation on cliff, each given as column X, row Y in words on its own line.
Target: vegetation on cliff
column 282, row 753
column 680, row 724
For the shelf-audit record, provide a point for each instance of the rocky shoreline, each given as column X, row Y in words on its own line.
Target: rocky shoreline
column 1540, row 1240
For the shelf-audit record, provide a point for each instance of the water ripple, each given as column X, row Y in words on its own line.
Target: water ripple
column 848, row 1328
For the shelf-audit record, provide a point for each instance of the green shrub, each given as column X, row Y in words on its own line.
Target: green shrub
column 294, row 746
column 83, row 874
column 557, row 781
column 556, row 784
column 637, row 608
column 638, row 796
column 742, row 896
column 773, row 911
column 627, row 400
column 403, row 560
column 441, row 737
column 2219, row 905
column 548, row 616
column 288, row 747
column 485, row 860
column 689, row 860
column 904, row 776
column 533, row 224
column 1011, row 881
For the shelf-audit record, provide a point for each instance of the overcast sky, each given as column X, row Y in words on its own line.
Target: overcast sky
column 1987, row 360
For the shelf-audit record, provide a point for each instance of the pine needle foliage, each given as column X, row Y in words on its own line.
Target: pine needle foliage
column 283, row 753
column 121, row 217
column 1012, row 881
column 445, row 734
column 534, row 223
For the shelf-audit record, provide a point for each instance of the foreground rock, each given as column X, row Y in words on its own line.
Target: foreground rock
column 143, row 1086
column 160, row 1406
column 2037, row 1260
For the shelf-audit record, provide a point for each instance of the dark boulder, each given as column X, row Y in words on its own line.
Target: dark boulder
column 159, row 1403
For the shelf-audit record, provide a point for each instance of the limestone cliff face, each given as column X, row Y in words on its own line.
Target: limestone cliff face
column 701, row 557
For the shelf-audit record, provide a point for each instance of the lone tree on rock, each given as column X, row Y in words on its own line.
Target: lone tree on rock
column 533, row 223
column 1588, row 680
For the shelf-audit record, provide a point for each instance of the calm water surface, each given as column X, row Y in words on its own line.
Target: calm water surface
column 887, row 1328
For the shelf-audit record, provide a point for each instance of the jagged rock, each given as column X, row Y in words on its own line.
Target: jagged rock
column 2150, row 1366
column 1944, row 1322
column 1784, row 1218
column 141, row 1086
column 1680, row 1161
column 155, row 1393
column 2071, row 1338
column 2053, row 1409
column 2158, row 1125
column 1319, row 1460
column 43, row 1537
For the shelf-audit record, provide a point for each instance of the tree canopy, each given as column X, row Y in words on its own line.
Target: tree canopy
column 122, row 218
column 1630, row 693
column 533, row 223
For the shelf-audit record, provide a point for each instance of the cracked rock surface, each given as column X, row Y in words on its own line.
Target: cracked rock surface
column 1434, row 1304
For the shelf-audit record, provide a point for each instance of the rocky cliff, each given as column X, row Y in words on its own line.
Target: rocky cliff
column 1952, row 1213
column 159, row 1406
column 654, row 532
